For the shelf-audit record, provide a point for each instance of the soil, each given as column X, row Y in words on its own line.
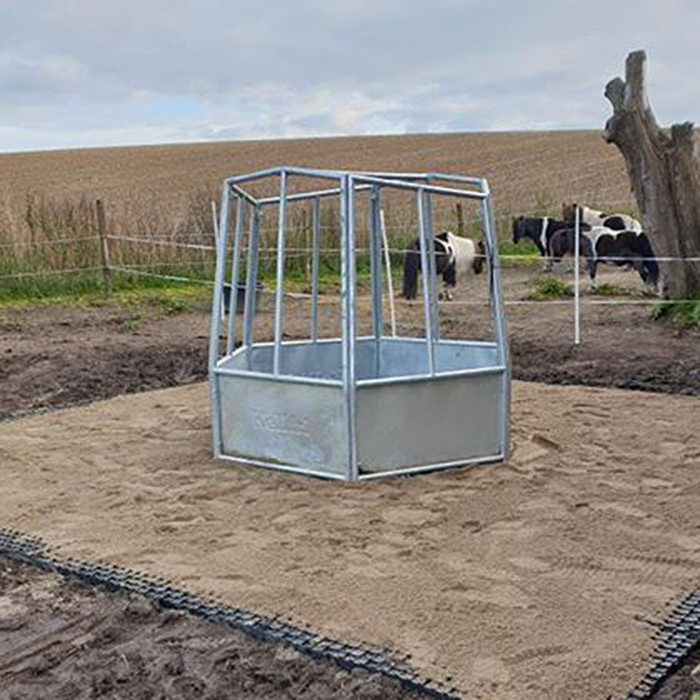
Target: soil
column 63, row 640
column 52, row 357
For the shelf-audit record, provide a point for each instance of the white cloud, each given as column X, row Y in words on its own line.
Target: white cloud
column 78, row 72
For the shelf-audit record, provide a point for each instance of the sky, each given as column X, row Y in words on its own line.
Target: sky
column 77, row 73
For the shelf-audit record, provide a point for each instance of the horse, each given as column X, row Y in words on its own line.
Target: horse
column 539, row 230
column 454, row 255
column 603, row 245
column 591, row 217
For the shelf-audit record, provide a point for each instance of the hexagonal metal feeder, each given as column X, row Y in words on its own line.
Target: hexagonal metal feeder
column 352, row 407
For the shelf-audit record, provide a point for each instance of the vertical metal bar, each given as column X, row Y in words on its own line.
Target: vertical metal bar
column 432, row 267
column 389, row 280
column 251, row 288
column 279, row 290
column 235, row 270
column 499, row 321
column 577, row 292
column 425, row 273
column 375, row 243
column 215, row 328
column 315, row 263
column 347, row 271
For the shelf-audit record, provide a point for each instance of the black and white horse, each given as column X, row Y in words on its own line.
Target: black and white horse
column 540, row 231
column 592, row 217
column 603, row 245
column 454, row 256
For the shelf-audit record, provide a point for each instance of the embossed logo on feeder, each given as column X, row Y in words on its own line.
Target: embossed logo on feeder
column 279, row 422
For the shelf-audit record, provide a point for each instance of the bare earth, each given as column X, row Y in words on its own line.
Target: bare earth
column 65, row 641
column 523, row 168
column 531, row 580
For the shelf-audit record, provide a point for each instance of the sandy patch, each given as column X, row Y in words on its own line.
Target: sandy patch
column 532, row 580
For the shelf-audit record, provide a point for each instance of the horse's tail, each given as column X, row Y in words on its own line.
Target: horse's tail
column 411, row 267
column 650, row 265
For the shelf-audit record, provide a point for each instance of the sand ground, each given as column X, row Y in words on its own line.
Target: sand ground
column 537, row 579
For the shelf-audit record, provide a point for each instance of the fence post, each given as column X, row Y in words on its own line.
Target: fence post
column 577, row 294
column 104, row 247
column 460, row 219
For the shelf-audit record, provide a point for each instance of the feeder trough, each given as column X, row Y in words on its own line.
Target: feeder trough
column 352, row 406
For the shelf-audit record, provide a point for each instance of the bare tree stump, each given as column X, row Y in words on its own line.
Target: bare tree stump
column 665, row 175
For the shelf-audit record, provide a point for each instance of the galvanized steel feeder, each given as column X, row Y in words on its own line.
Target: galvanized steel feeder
column 353, row 407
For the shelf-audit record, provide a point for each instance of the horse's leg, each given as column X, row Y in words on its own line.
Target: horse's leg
column 449, row 277
column 592, row 267
column 638, row 265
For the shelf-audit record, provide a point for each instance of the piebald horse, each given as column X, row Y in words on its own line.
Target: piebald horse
column 591, row 217
column 540, row 231
column 454, row 256
column 600, row 244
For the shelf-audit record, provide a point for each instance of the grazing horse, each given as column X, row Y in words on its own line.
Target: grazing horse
column 591, row 217
column 539, row 230
column 454, row 255
column 603, row 245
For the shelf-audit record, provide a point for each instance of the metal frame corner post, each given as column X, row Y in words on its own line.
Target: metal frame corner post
column 499, row 319
column 215, row 328
column 347, row 271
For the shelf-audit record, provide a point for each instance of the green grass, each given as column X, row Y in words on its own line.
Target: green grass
column 685, row 314
column 609, row 290
column 524, row 248
column 88, row 291
column 550, row 288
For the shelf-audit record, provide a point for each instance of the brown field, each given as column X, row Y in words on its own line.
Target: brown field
column 520, row 166
column 525, row 170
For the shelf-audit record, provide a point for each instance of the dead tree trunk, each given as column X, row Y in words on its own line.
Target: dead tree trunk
column 665, row 175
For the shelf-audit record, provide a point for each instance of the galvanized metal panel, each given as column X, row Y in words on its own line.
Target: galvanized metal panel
column 447, row 419
column 289, row 424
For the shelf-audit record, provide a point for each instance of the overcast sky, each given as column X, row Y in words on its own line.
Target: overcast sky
column 97, row 72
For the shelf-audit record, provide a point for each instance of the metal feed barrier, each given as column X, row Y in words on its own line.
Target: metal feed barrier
column 352, row 407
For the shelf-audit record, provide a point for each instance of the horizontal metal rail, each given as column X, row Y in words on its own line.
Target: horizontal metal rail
column 438, row 466
column 429, row 378
column 285, row 378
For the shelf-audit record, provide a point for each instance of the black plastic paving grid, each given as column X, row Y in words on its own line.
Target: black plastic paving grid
column 677, row 636
column 34, row 552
